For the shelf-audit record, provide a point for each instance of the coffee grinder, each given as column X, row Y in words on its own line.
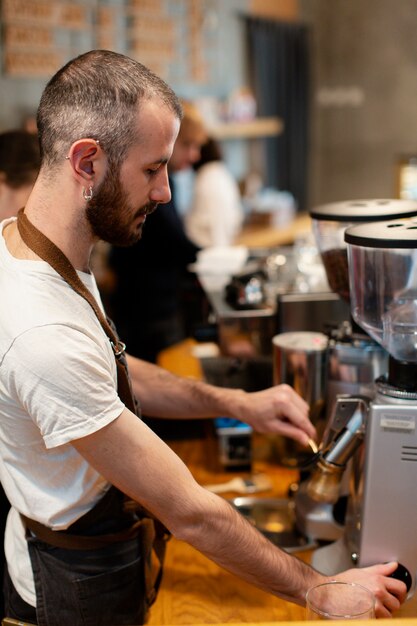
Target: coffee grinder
column 354, row 358
column 378, row 434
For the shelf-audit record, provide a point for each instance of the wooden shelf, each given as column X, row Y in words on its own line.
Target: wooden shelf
column 260, row 127
column 270, row 236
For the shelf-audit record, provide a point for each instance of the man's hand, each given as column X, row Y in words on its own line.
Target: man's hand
column 278, row 410
column 390, row 593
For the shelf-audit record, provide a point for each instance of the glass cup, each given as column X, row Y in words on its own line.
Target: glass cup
column 339, row 600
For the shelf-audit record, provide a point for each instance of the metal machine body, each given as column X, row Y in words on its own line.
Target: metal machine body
column 354, row 363
column 317, row 520
column 381, row 518
column 356, row 358
column 383, row 522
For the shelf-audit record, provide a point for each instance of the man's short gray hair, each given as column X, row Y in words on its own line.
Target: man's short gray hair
column 97, row 95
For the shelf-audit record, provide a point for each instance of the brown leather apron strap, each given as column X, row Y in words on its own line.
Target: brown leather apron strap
column 154, row 537
column 61, row 539
column 49, row 252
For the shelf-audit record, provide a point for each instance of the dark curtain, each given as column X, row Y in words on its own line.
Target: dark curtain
column 279, row 66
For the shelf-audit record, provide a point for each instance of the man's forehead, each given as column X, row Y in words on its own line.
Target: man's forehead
column 151, row 107
column 151, row 115
column 153, row 122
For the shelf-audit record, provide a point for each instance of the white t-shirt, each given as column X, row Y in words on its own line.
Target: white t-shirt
column 58, row 383
column 216, row 214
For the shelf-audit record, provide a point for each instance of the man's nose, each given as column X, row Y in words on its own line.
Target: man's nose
column 161, row 192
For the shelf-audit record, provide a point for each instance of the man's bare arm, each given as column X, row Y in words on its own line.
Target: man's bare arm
column 132, row 457
column 278, row 410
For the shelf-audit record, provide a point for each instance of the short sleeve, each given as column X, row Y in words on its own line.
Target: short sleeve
column 65, row 379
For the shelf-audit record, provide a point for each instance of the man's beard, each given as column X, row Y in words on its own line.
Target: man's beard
column 110, row 215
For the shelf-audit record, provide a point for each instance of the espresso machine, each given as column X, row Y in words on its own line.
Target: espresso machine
column 354, row 358
column 377, row 435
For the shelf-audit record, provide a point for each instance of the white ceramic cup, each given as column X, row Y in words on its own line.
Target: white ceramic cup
column 338, row 600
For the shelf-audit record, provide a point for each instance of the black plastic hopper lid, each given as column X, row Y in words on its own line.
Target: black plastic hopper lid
column 393, row 234
column 365, row 210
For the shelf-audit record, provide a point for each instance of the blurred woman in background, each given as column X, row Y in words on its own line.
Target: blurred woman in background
column 216, row 214
column 151, row 276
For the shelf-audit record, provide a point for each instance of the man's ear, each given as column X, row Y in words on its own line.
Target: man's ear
column 87, row 159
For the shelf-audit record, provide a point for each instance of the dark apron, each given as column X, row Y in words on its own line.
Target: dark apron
column 100, row 571
column 105, row 569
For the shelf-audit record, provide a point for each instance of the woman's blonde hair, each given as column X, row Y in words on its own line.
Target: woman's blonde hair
column 192, row 124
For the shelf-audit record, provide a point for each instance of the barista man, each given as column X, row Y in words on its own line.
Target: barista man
column 107, row 127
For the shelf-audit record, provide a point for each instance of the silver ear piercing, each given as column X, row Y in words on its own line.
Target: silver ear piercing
column 87, row 195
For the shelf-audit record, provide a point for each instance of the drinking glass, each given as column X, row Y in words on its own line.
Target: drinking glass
column 339, row 600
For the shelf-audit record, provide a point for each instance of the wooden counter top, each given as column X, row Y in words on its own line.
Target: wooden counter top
column 343, row 622
column 195, row 590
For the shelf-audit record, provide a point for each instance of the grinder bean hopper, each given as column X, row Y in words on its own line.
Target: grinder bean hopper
column 355, row 359
column 379, row 434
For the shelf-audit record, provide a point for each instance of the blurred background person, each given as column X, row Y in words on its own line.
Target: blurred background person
column 146, row 303
column 154, row 295
column 19, row 166
column 216, row 213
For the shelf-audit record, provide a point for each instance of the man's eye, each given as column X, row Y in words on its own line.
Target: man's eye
column 152, row 172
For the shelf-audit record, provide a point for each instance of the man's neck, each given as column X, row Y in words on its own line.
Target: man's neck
column 66, row 228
